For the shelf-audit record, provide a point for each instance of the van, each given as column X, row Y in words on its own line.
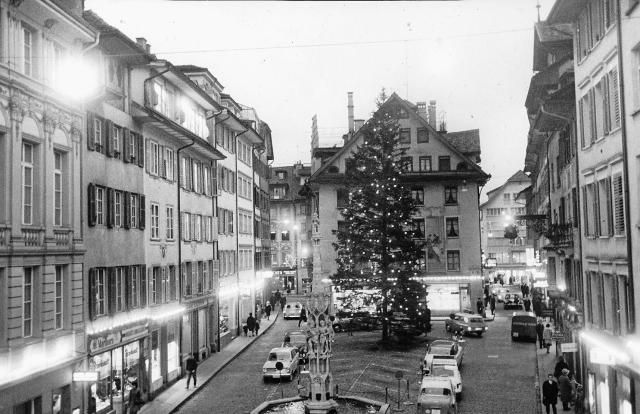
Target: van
column 523, row 326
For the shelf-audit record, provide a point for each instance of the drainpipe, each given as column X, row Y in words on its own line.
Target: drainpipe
column 625, row 157
column 237, row 215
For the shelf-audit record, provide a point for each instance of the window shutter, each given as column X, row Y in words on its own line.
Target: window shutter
column 110, row 207
column 93, row 291
column 614, row 98
column 111, row 289
column 91, row 145
column 127, row 210
column 163, row 162
column 234, row 177
column 141, row 213
column 618, row 205
column 91, row 208
column 147, row 154
column 143, row 286
column 609, row 207
column 585, row 210
column 592, row 116
column 190, row 174
column 126, row 138
column 126, row 297
column 140, row 146
column 108, row 137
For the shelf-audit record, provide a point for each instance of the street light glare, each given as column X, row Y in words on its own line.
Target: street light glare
column 78, row 78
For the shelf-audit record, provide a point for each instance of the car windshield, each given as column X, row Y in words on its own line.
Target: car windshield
column 279, row 356
column 434, row 391
column 477, row 320
column 442, row 371
column 441, row 351
column 298, row 338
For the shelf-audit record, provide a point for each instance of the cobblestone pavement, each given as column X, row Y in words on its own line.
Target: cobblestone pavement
column 498, row 374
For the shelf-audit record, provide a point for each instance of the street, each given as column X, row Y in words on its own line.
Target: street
column 498, row 374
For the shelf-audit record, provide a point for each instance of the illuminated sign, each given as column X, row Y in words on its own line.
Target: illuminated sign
column 85, row 376
column 601, row 356
column 491, row 262
column 541, row 284
column 569, row 347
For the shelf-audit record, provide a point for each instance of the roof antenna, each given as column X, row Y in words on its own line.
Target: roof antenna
column 538, row 7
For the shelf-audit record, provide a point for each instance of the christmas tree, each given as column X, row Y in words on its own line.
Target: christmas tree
column 377, row 246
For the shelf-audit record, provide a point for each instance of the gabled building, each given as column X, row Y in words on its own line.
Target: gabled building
column 445, row 178
column 41, row 236
column 508, row 258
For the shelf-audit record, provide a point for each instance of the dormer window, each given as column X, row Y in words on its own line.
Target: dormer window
column 281, row 175
column 115, row 74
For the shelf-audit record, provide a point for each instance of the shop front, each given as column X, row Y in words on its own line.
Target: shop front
column 228, row 319
column 443, row 299
column 288, row 278
column 165, row 354
column 120, row 357
column 195, row 332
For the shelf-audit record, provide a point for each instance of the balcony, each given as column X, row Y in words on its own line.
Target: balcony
column 62, row 237
column 32, row 236
column 559, row 235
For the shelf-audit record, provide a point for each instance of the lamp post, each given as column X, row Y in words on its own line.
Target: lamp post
column 296, row 228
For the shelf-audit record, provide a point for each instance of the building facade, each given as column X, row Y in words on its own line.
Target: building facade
column 445, row 179
column 291, row 249
column 41, row 236
column 509, row 259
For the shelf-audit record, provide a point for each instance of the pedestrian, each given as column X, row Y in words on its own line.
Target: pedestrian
column 267, row 309
column 251, row 323
column 303, row 316
column 191, row 367
column 550, row 394
column 277, row 296
column 540, row 332
column 135, row 398
column 527, row 304
column 501, row 281
column 283, row 302
column 480, row 306
column 561, row 365
column 546, row 336
column 566, row 389
column 492, row 304
column 257, row 327
column 522, row 288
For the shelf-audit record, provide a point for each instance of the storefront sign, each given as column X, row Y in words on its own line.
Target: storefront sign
column 601, row 356
column 196, row 304
column 134, row 332
column 491, row 262
column 85, row 376
column 284, row 272
column 569, row 347
column 557, row 335
column 104, row 341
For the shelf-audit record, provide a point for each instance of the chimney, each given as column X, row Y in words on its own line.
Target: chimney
column 357, row 124
column 142, row 42
column 350, row 110
column 432, row 114
column 147, row 47
column 422, row 108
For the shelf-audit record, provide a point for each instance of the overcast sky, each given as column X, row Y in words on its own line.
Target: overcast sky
column 291, row 60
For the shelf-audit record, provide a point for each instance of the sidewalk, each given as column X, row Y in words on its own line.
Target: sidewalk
column 174, row 396
column 545, row 364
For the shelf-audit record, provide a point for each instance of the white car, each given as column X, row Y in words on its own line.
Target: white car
column 292, row 310
column 437, row 396
column 443, row 349
column 289, row 359
column 447, row 368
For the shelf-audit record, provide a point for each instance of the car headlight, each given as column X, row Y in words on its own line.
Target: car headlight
column 468, row 328
column 486, row 328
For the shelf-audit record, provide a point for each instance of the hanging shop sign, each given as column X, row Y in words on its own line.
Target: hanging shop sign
column 569, row 347
column 85, row 376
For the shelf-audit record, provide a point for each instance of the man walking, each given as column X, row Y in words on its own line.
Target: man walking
column 550, row 394
column 540, row 332
column 492, row 304
column 480, row 306
column 303, row 316
column 191, row 366
column 251, row 324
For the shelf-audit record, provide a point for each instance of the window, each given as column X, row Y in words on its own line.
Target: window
column 342, row 197
column 281, row 175
column 118, row 208
column 453, row 260
column 133, row 146
column 58, row 303
column 208, row 229
column 618, row 205
column 452, row 228
column 196, row 185
column 186, row 226
column 100, row 276
column 284, row 236
column 206, row 175
column 278, row 192
column 119, row 285
column 27, row 42
column 134, row 301
column 155, row 158
column 117, row 140
column 425, row 163
column 27, row 301
column 97, row 133
column 155, row 286
column 406, row 163
column 418, row 228
column 155, row 221
column 168, row 163
column 197, row 227
column 605, row 207
column 57, row 188
column 134, row 210
column 614, row 97
column 405, row 135
column 100, row 205
column 27, row 183
column 451, row 195
column 417, row 193
column 169, row 211
column 444, row 163
column 506, row 196
column 201, row 273
column 273, row 235
column 423, row 135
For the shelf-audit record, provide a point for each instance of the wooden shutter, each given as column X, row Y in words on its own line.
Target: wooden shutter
column 127, row 209
column 126, row 297
column 126, row 139
column 91, row 208
column 92, row 294
column 609, row 207
column 110, row 207
column 614, row 98
column 91, row 145
column 111, row 289
column 147, row 146
column 163, row 162
column 143, row 286
column 108, row 137
column 140, row 146
column 585, row 211
column 593, row 114
column 618, row 204
column 141, row 213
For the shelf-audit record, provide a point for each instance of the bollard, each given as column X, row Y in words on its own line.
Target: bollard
column 408, row 397
column 386, row 395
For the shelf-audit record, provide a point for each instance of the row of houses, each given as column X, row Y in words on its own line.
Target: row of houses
column 134, row 224
column 583, row 104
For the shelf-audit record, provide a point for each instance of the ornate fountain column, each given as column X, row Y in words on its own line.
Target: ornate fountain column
column 319, row 340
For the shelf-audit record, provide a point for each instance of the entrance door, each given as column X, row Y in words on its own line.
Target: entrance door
column 194, row 334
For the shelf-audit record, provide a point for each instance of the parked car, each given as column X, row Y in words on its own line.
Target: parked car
column 288, row 356
column 292, row 310
column 513, row 300
column 296, row 339
column 523, row 326
column 443, row 349
column 437, row 396
column 446, row 368
column 465, row 323
column 355, row 321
